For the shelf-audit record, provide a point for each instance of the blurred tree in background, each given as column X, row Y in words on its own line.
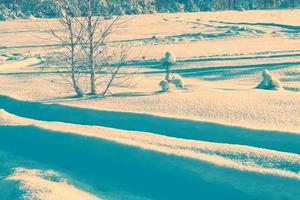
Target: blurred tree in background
column 11, row 9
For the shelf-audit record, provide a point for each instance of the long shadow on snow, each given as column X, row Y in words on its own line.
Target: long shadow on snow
column 158, row 63
column 190, row 72
column 112, row 169
column 180, row 128
column 213, row 69
column 224, row 74
column 284, row 26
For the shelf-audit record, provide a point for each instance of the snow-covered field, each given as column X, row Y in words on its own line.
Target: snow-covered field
column 217, row 138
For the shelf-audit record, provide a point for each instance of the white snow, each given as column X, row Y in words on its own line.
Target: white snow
column 239, row 157
column 46, row 185
column 216, row 129
column 15, row 65
column 215, row 153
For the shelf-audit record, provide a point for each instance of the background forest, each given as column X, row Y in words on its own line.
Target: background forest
column 11, row 9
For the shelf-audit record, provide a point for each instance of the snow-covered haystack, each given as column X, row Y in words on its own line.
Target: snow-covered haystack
column 164, row 85
column 177, row 80
column 269, row 82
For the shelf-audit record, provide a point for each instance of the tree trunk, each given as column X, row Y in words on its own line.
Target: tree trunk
column 229, row 4
column 91, row 61
column 168, row 65
column 92, row 73
column 76, row 87
column 234, row 4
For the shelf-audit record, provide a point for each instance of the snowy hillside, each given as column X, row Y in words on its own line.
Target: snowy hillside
column 230, row 131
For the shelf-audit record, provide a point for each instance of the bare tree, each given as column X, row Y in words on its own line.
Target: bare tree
column 88, row 46
column 90, row 28
column 71, row 40
column 95, row 45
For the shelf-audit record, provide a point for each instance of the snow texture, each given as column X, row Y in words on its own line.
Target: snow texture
column 38, row 184
column 215, row 137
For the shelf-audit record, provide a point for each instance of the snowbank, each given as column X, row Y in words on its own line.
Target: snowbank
column 46, row 185
column 236, row 171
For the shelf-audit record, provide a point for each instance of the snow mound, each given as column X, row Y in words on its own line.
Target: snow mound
column 269, row 82
column 38, row 184
column 164, row 85
column 177, row 80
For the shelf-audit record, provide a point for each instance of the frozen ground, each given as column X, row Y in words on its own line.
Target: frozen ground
column 216, row 138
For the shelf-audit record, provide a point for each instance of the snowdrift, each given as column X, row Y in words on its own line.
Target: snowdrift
column 93, row 155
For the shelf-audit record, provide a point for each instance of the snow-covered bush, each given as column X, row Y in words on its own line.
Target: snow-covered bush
column 170, row 58
column 177, row 80
column 269, row 82
column 164, row 85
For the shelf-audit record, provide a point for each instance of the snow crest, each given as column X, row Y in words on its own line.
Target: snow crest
column 46, row 185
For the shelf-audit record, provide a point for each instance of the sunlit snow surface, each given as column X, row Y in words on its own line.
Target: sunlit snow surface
column 218, row 138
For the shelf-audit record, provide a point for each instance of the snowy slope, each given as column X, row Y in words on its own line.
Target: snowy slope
column 231, row 161
column 37, row 184
column 218, row 138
